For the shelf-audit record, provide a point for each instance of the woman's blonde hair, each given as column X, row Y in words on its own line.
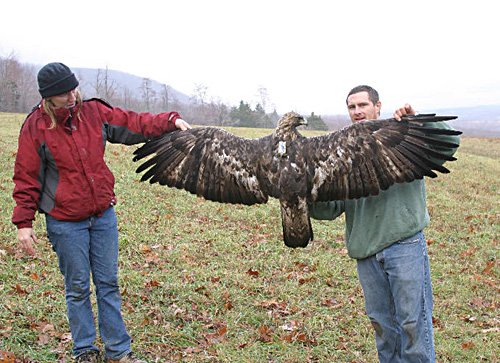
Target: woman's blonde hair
column 48, row 106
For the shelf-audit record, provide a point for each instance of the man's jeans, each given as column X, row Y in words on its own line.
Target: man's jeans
column 398, row 299
column 83, row 247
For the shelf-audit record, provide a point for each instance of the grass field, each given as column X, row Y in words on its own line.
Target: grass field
column 207, row 282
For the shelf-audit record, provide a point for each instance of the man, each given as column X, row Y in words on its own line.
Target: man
column 384, row 235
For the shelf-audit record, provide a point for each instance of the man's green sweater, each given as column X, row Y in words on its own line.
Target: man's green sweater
column 376, row 222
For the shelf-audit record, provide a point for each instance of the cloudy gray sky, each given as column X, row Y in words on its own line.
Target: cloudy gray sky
column 307, row 54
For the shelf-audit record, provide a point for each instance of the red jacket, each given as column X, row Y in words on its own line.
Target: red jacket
column 62, row 171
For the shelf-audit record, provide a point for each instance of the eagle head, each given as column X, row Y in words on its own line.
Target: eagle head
column 290, row 121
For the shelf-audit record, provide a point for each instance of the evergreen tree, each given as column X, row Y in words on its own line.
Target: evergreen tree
column 316, row 123
column 262, row 119
column 243, row 116
column 274, row 117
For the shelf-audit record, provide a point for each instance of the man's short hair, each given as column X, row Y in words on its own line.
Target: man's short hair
column 372, row 92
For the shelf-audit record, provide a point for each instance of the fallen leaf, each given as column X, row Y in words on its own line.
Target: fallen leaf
column 488, row 268
column 145, row 248
column 491, row 330
column 300, row 264
column 43, row 339
column 332, row 302
column 304, row 280
column 228, row 305
column 479, row 303
column 20, row 290
column 265, row 334
column 65, row 337
column 469, row 252
column 7, row 357
column 468, row 345
column 152, row 283
column 253, row 273
column 299, row 337
column 34, row 276
column 218, row 336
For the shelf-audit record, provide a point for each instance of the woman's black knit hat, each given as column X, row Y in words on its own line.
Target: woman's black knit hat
column 55, row 79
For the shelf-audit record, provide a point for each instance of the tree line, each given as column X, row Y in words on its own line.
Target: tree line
column 19, row 94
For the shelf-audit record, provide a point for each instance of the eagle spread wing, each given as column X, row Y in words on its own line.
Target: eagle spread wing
column 209, row 162
column 357, row 161
column 366, row 157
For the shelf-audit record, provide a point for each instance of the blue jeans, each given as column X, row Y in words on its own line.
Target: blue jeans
column 398, row 299
column 91, row 245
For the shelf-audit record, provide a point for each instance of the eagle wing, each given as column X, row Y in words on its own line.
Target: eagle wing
column 209, row 162
column 366, row 157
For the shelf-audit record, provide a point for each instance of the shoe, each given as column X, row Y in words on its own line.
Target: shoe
column 129, row 358
column 91, row 356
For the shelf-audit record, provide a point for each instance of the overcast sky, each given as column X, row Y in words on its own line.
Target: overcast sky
column 307, row 54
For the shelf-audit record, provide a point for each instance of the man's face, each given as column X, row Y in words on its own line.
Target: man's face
column 361, row 108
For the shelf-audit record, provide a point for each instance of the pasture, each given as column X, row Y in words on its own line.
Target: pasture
column 207, row 282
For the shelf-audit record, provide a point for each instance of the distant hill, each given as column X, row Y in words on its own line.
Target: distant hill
column 87, row 77
column 481, row 121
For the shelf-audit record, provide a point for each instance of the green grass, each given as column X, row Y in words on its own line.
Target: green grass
column 207, row 282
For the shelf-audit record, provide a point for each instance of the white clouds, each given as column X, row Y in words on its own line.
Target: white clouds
column 308, row 55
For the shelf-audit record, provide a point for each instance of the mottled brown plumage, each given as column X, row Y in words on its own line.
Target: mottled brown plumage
column 356, row 161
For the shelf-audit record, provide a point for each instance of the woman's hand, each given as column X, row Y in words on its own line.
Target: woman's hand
column 182, row 125
column 26, row 237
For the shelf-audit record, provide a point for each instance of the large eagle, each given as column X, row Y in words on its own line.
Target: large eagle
column 356, row 161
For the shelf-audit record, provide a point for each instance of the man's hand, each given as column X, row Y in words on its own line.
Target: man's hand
column 404, row 111
column 26, row 237
column 182, row 125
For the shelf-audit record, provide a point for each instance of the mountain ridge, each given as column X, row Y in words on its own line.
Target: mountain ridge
column 124, row 80
column 481, row 120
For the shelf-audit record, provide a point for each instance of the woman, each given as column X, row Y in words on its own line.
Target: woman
column 60, row 171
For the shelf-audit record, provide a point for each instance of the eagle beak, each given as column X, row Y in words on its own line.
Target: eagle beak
column 304, row 121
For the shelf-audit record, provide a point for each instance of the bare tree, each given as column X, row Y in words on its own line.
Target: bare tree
column 104, row 86
column 109, row 86
column 9, row 90
column 29, row 90
column 219, row 112
column 165, row 97
column 200, row 94
column 126, row 98
column 18, row 91
column 263, row 97
column 148, row 94
column 198, row 103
